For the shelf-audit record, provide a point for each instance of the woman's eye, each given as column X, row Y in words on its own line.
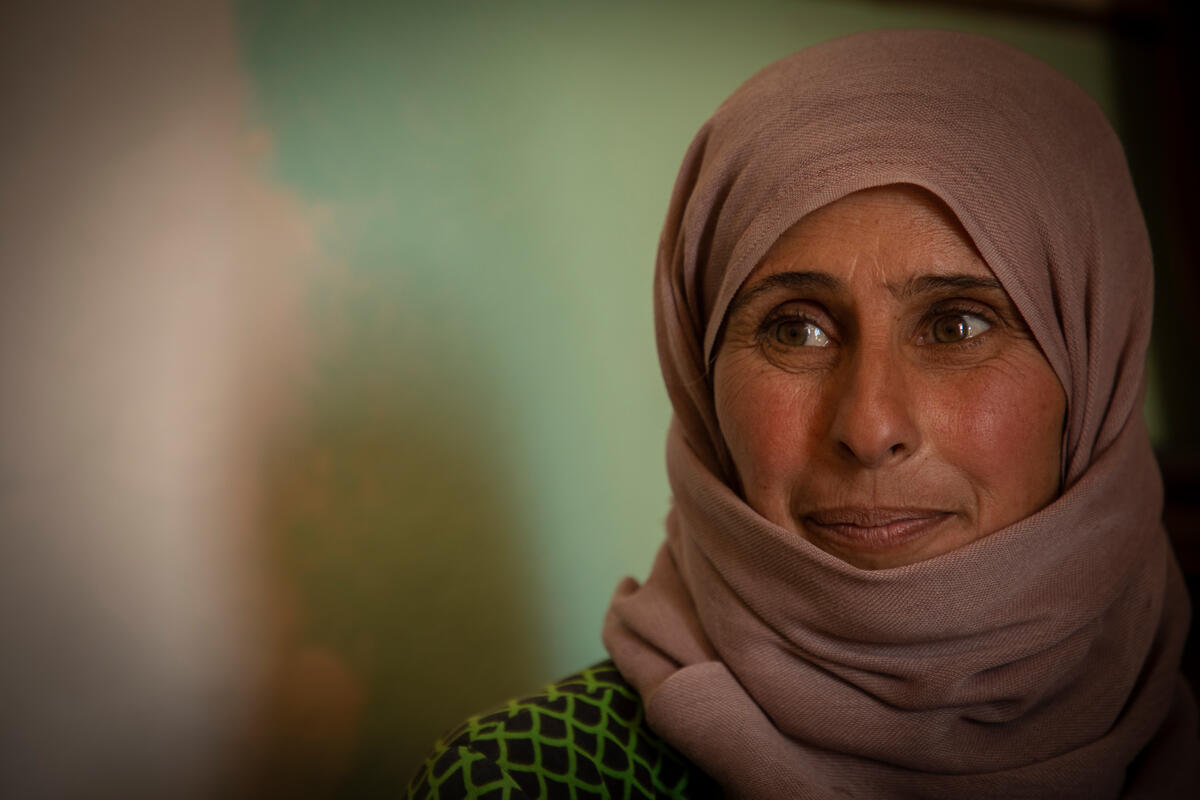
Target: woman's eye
column 953, row 328
column 800, row 333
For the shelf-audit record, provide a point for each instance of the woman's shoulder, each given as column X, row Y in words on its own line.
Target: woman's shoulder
column 582, row 737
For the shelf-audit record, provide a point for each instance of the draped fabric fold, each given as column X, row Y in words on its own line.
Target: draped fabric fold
column 1041, row 660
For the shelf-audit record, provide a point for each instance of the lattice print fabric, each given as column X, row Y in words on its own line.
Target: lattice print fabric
column 582, row 738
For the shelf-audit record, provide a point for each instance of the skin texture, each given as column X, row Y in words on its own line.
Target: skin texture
column 879, row 393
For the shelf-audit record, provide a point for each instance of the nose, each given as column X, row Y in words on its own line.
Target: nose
column 874, row 421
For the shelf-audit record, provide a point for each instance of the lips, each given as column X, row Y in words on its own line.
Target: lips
column 874, row 529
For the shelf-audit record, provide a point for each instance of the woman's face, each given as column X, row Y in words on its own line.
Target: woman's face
column 879, row 393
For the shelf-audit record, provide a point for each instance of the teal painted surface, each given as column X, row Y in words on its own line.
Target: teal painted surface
column 483, row 458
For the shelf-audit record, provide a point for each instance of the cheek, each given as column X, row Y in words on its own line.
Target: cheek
column 1000, row 428
column 769, row 419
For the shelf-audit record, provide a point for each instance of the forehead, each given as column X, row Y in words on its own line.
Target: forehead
column 884, row 235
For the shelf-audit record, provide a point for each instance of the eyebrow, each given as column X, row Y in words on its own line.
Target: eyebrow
column 931, row 283
column 806, row 281
column 797, row 281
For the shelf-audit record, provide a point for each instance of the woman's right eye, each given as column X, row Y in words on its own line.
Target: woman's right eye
column 799, row 333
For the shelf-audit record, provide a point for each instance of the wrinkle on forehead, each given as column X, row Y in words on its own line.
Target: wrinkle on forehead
column 867, row 220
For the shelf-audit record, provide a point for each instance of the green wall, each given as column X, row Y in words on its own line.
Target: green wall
column 482, row 456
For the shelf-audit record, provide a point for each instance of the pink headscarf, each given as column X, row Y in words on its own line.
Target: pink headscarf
column 1042, row 660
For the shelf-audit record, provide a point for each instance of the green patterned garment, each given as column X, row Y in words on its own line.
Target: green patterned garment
column 583, row 737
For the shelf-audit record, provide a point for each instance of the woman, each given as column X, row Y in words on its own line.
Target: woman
column 902, row 300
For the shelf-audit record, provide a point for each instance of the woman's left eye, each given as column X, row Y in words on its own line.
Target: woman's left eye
column 952, row 328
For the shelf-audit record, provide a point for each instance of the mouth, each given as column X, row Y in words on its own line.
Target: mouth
column 873, row 529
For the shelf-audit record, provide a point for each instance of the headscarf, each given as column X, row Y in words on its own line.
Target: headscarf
column 1041, row 660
